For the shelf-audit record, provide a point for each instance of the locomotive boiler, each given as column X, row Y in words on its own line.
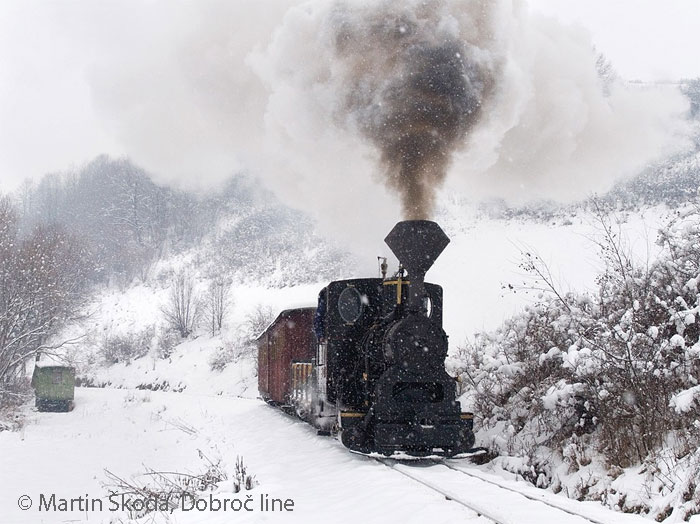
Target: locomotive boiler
column 369, row 361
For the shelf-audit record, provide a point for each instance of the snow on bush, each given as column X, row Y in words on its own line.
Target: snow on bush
column 127, row 347
column 167, row 491
column 242, row 345
column 610, row 374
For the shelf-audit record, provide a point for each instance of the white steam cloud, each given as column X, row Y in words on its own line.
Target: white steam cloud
column 266, row 86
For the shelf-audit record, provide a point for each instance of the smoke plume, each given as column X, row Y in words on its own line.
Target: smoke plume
column 338, row 105
column 414, row 87
column 481, row 95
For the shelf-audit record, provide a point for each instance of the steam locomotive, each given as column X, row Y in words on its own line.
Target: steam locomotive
column 374, row 370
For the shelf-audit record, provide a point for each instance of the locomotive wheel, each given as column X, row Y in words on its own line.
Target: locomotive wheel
column 355, row 439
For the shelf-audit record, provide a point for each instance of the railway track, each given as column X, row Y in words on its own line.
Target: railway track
column 564, row 505
column 498, row 501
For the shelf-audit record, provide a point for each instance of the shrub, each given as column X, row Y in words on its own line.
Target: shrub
column 125, row 348
column 174, row 488
column 232, row 351
column 621, row 364
column 243, row 345
column 13, row 393
column 167, row 341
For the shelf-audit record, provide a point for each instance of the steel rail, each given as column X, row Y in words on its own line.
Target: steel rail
column 479, row 509
column 524, row 494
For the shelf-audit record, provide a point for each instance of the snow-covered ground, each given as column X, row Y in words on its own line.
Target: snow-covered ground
column 123, row 431
column 126, row 431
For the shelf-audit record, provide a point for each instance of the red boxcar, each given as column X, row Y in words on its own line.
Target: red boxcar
column 288, row 339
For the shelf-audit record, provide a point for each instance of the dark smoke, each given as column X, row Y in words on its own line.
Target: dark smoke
column 415, row 94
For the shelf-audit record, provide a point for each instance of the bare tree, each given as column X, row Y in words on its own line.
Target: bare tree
column 26, row 192
column 217, row 303
column 42, row 281
column 183, row 308
column 257, row 320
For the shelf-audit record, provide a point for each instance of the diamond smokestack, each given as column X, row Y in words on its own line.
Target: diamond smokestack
column 417, row 244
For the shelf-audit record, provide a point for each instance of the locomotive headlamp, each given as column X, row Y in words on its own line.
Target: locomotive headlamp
column 417, row 244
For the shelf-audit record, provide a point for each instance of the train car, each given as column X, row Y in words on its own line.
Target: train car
column 369, row 361
column 288, row 340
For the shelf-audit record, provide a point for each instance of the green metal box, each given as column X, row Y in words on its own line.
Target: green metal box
column 54, row 387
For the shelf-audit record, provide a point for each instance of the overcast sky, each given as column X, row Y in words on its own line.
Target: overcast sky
column 645, row 39
column 48, row 50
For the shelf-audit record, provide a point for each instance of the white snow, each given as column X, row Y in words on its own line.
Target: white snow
column 66, row 454
column 685, row 400
column 484, row 257
column 123, row 431
column 677, row 341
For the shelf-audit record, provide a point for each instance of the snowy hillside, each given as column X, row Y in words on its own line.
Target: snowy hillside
column 480, row 272
column 199, row 416
column 265, row 259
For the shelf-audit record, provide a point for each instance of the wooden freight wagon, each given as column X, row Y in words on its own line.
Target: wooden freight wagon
column 54, row 387
column 286, row 354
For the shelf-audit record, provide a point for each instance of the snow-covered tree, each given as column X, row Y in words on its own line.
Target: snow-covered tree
column 43, row 278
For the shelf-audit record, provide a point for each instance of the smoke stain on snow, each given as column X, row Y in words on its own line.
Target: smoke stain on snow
column 415, row 89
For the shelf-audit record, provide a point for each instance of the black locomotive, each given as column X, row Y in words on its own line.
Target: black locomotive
column 376, row 370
